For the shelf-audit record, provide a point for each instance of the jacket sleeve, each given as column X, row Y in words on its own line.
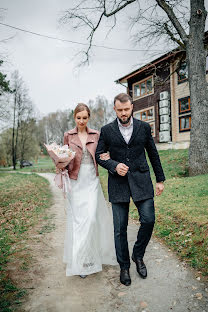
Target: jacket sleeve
column 154, row 156
column 102, row 147
column 65, row 141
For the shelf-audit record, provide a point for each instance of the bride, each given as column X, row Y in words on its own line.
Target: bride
column 89, row 240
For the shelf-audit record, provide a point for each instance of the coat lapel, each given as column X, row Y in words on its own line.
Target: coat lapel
column 115, row 128
column 136, row 126
column 90, row 137
column 75, row 138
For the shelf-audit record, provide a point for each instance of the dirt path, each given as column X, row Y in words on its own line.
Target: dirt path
column 170, row 286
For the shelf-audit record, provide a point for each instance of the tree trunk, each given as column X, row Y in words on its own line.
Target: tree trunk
column 196, row 61
column 22, row 145
column 13, row 134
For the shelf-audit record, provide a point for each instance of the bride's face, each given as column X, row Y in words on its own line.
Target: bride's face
column 81, row 119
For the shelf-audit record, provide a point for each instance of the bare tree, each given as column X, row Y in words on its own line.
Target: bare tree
column 4, row 90
column 28, row 144
column 51, row 128
column 6, row 147
column 101, row 112
column 183, row 24
column 21, row 107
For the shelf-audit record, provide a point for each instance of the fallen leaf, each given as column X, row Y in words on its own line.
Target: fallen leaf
column 198, row 296
column 121, row 294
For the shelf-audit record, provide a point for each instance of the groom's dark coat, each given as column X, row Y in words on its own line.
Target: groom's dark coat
column 137, row 182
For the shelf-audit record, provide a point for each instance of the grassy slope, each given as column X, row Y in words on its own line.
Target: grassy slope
column 23, row 201
column 181, row 211
column 44, row 164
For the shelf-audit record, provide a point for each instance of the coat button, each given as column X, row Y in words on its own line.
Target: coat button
column 127, row 159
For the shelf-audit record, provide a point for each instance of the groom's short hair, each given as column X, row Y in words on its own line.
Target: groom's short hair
column 122, row 97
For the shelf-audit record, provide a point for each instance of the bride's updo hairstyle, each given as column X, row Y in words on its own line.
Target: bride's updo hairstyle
column 81, row 107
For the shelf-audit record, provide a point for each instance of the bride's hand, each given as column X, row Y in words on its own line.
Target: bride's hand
column 104, row 156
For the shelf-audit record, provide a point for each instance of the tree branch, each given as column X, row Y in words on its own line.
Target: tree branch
column 169, row 11
column 119, row 8
column 172, row 37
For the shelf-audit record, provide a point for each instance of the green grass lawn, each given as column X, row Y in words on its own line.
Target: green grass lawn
column 182, row 219
column 23, row 202
column 181, row 211
column 43, row 164
column 174, row 162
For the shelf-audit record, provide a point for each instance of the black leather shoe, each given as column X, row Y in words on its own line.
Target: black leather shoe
column 141, row 267
column 125, row 277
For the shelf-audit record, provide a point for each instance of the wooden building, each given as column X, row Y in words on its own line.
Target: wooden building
column 161, row 97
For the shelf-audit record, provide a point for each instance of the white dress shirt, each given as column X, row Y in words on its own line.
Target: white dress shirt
column 126, row 131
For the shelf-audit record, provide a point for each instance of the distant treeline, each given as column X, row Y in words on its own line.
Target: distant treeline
column 23, row 132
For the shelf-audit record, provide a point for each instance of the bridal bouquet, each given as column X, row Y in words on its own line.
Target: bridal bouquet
column 61, row 155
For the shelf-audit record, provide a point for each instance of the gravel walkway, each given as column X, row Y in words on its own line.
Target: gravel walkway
column 170, row 285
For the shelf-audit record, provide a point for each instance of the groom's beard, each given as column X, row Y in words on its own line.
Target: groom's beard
column 124, row 122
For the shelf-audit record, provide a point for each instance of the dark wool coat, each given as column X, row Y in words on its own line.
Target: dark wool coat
column 137, row 182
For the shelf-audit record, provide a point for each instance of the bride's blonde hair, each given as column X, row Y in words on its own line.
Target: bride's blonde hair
column 81, row 107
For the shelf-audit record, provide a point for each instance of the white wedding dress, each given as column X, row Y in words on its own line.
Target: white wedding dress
column 89, row 240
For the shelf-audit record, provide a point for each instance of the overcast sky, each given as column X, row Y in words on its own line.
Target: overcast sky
column 49, row 67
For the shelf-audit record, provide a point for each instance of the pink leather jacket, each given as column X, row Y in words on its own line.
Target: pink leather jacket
column 72, row 139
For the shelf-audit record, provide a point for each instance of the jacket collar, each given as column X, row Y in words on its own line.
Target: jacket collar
column 136, row 126
column 89, row 131
column 76, row 139
column 115, row 127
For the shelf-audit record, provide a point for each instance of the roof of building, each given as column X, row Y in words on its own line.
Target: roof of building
column 160, row 59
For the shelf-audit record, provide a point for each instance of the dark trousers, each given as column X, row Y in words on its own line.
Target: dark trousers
column 146, row 212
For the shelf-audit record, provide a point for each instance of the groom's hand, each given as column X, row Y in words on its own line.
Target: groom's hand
column 122, row 169
column 104, row 156
column 159, row 188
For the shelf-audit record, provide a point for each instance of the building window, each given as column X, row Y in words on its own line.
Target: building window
column 184, row 105
column 152, row 125
column 183, row 73
column 185, row 123
column 143, row 88
column 147, row 115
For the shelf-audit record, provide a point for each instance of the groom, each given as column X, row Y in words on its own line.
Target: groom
column 126, row 139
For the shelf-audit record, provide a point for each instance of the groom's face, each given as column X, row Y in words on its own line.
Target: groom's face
column 123, row 111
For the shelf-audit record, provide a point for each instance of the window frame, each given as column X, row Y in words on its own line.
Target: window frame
column 184, row 129
column 146, row 110
column 153, row 124
column 179, row 105
column 139, row 83
column 184, row 79
column 151, row 121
